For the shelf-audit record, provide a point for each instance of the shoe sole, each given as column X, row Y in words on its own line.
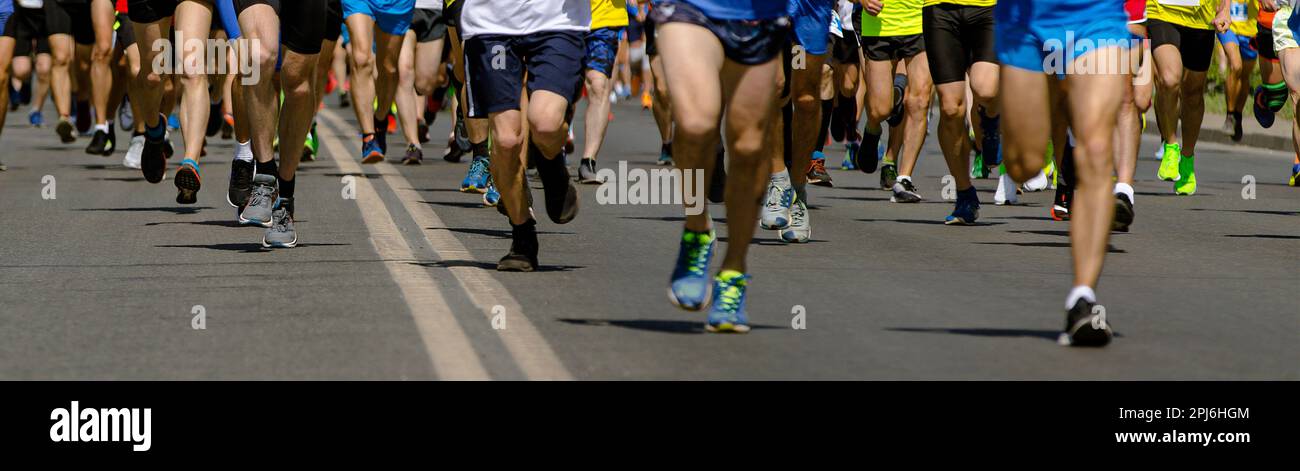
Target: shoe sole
column 708, row 298
column 958, row 222
column 516, row 268
column 154, row 169
column 250, row 222
column 825, row 183
column 796, row 240
column 727, row 328
column 280, row 245
column 1086, row 336
column 782, row 227
column 188, row 184
column 1059, row 214
column 473, row 189
column 373, row 158
column 894, row 199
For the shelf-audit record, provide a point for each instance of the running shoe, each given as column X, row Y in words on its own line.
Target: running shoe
column 3, row 167
column 1169, row 163
column 101, row 143
column 689, row 286
column 261, row 202
column 646, row 100
column 665, row 155
column 65, row 131
column 966, row 210
column 81, row 117
column 133, row 152
column 817, row 173
column 587, row 172
column 125, row 117
column 1038, row 183
column 491, row 197
column 36, row 119
column 850, row 153
column 312, row 146
column 1263, row 114
column 800, row 229
column 281, row 234
column 977, row 168
column 1236, row 126
column 568, row 144
column 173, row 121
column 867, row 160
column 1295, row 175
column 727, row 313
column 153, row 160
column 422, row 131
column 371, row 153
column 458, row 144
column 476, row 179
column 905, row 192
column 241, row 182
column 188, row 181
column 837, row 124
column 776, row 209
column 1062, row 202
column 523, row 248
column 888, row 175
column 1186, row 184
column 991, row 145
column 1006, row 192
column 561, row 194
column 414, row 155
column 1123, row 213
column 1086, row 326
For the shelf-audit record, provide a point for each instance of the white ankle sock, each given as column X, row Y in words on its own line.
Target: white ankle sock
column 244, row 151
column 1077, row 293
column 1126, row 189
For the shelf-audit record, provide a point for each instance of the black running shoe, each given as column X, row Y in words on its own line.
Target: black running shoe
column 561, row 193
column 718, row 182
column 1061, row 204
column 523, row 248
column 100, row 144
column 422, row 132
column 837, row 123
column 455, row 149
column 215, row 118
column 904, row 192
column 227, row 131
column 888, row 176
column 65, row 131
column 153, row 160
column 1086, row 326
column 1123, row 213
column 868, row 155
column 241, row 182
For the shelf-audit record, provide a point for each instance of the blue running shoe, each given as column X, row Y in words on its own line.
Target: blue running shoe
column 967, row 210
column 665, row 155
column 476, row 179
column 728, row 312
column 491, row 197
column 1263, row 114
column 370, row 152
column 992, row 142
column 36, row 119
column 850, row 154
column 174, row 121
column 689, row 287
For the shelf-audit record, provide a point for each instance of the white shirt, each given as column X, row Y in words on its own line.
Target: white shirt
column 435, row 5
column 522, row 17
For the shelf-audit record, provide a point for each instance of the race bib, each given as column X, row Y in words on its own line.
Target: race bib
column 1238, row 12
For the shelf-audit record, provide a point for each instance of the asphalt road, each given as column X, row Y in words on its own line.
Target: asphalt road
column 105, row 280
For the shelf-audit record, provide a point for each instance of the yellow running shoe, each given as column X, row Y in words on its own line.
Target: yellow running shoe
column 1169, row 165
column 1186, row 184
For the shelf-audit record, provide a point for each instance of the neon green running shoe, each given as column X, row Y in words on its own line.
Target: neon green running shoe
column 1169, row 163
column 1186, row 184
column 977, row 168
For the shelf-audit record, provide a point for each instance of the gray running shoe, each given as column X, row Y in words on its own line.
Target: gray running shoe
column 800, row 229
column 587, row 172
column 281, row 234
column 776, row 209
column 905, row 192
column 257, row 212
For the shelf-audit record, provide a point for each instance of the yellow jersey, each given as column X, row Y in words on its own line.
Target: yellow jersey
column 1197, row 14
column 1244, row 15
column 897, row 18
column 608, row 13
column 968, row 3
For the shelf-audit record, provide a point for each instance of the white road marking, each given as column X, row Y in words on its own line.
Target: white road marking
column 449, row 349
column 531, row 353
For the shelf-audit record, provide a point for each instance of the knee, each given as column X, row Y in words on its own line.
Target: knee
column 362, row 60
column 694, row 128
column 1192, row 92
column 506, row 142
column 545, row 123
column 807, row 103
column 1021, row 169
column 953, row 108
column 917, row 103
column 1169, row 80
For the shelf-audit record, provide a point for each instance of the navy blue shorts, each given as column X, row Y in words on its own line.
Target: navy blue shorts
column 495, row 67
column 602, row 50
column 748, row 42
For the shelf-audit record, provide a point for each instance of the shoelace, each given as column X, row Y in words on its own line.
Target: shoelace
column 907, row 185
column 729, row 295
column 697, row 257
column 282, row 220
column 797, row 214
column 260, row 194
column 818, row 166
column 478, row 167
column 778, row 197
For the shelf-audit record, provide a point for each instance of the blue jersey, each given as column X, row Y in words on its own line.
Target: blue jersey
column 6, row 6
column 740, row 9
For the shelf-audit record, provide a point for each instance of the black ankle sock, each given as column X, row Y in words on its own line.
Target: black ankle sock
column 156, row 133
column 286, row 187
column 480, row 149
column 268, row 168
column 667, row 148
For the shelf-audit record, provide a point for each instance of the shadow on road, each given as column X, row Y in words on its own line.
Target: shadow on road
column 1264, row 236
column 246, row 248
column 982, row 332
column 492, row 266
column 926, row 221
column 498, row 233
column 164, row 209
column 1251, row 211
column 653, row 325
column 1109, row 248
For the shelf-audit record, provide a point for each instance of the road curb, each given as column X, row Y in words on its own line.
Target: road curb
column 1217, row 136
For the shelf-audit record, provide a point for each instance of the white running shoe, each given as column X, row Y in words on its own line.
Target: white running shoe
column 1006, row 193
column 1038, row 183
column 132, row 157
